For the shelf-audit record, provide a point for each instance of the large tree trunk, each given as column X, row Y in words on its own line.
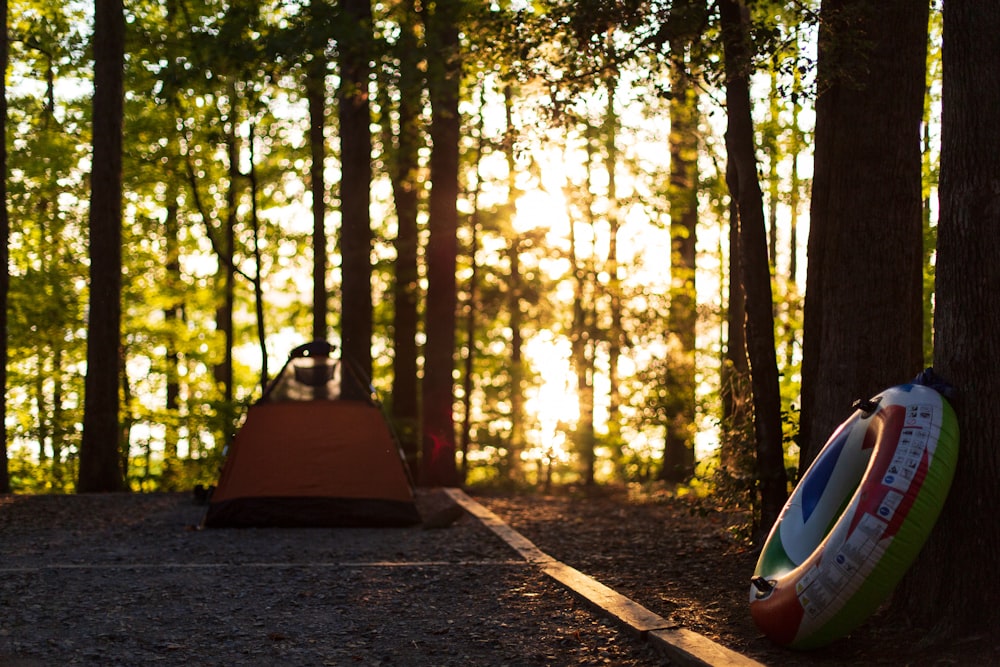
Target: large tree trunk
column 678, row 450
column 4, row 248
column 863, row 309
column 756, row 275
column 951, row 586
column 100, row 468
column 406, row 294
column 355, row 192
column 438, row 466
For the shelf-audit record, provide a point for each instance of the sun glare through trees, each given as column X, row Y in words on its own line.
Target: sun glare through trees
column 594, row 261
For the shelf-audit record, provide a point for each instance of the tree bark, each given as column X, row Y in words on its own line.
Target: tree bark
column 355, row 193
column 406, row 294
column 173, row 317
column 471, row 318
column 616, row 332
column 100, row 467
column 4, row 247
column 756, row 275
column 678, row 450
column 863, row 309
column 258, row 278
column 438, row 466
column 584, row 333
column 950, row 586
column 316, row 96
column 515, row 290
column 736, row 452
column 226, row 277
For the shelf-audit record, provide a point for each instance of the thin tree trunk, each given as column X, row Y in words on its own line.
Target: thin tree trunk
column 471, row 309
column 59, row 429
column 4, row 248
column 43, row 433
column 682, row 318
column 737, row 400
column 616, row 335
column 127, row 417
column 756, row 276
column 470, row 338
column 406, row 292
column 585, row 330
column 793, row 300
column 438, row 466
column 583, row 363
column 772, row 149
column 173, row 316
column 228, row 269
column 173, row 312
column 316, row 97
column 258, row 284
column 515, row 288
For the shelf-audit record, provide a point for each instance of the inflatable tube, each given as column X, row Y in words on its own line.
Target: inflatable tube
column 857, row 519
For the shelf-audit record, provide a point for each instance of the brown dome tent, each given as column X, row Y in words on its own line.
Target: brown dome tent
column 307, row 455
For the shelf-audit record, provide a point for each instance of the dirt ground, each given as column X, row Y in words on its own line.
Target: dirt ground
column 679, row 560
column 128, row 579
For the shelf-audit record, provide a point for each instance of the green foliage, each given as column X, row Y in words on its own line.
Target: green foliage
column 30, row 475
column 211, row 80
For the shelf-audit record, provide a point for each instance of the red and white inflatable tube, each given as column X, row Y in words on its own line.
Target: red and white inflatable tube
column 857, row 519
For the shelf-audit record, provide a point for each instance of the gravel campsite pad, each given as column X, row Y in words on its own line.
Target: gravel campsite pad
column 127, row 579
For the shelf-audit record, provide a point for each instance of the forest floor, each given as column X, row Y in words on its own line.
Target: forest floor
column 680, row 559
column 129, row 579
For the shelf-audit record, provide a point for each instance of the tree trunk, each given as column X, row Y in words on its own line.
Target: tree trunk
column 863, row 309
column 406, row 295
column 173, row 318
column 59, row 427
column 793, row 300
column 471, row 312
column 616, row 334
column 100, row 468
column 4, row 249
column 583, row 365
column 515, row 288
column 678, row 450
column 756, row 275
column 438, row 466
column 737, row 450
column 258, row 278
column 950, row 586
column 316, row 95
column 355, row 194
column 584, row 332
column 227, row 277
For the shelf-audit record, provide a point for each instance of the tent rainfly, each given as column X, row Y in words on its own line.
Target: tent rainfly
column 308, row 456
